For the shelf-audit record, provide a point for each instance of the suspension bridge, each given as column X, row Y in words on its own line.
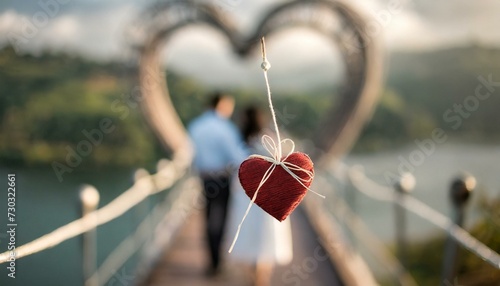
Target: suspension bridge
column 171, row 250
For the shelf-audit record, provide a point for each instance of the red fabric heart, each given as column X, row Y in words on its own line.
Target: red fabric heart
column 281, row 193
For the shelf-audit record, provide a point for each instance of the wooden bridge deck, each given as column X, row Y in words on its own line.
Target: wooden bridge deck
column 185, row 262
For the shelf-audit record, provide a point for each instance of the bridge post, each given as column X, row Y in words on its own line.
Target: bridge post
column 89, row 199
column 403, row 187
column 460, row 191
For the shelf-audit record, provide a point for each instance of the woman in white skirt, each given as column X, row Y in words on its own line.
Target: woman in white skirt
column 263, row 241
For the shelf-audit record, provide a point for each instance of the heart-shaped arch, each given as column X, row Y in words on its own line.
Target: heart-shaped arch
column 334, row 19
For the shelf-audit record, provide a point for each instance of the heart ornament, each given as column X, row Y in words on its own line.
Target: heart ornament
column 278, row 186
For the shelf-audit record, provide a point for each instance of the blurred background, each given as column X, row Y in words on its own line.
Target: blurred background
column 62, row 73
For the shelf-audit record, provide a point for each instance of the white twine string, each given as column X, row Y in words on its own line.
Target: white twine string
column 275, row 150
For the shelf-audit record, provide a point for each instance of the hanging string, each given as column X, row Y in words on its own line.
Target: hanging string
column 265, row 67
column 275, row 150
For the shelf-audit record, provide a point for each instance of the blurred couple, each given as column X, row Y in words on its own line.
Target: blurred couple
column 220, row 147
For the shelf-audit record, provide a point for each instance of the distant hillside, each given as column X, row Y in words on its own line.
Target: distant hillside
column 48, row 101
column 438, row 89
column 440, row 79
column 51, row 103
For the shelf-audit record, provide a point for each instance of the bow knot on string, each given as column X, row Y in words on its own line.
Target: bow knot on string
column 275, row 150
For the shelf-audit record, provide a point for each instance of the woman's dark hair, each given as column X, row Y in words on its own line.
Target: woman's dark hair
column 251, row 123
column 215, row 98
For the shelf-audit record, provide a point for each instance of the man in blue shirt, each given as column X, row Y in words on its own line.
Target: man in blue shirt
column 219, row 150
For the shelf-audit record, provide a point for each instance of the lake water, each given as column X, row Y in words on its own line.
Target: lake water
column 43, row 204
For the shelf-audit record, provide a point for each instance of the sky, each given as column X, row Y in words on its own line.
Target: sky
column 97, row 29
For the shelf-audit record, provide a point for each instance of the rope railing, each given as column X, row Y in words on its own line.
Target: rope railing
column 356, row 177
column 143, row 188
column 178, row 199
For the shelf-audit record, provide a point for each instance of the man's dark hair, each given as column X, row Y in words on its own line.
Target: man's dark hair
column 215, row 98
